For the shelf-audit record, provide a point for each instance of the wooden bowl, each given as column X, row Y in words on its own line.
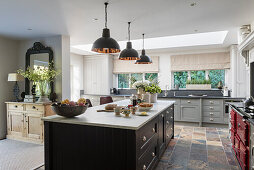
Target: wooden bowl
column 69, row 111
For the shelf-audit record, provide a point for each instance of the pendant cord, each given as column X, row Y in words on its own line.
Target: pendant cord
column 129, row 32
column 106, row 14
column 143, row 41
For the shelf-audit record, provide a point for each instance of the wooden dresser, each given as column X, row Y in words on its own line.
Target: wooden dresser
column 24, row 121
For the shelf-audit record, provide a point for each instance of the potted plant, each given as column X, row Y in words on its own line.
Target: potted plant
column 140, row 86
column 198, row 84
column 41, row 77
column 153, row 89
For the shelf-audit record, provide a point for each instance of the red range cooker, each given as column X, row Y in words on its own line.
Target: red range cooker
column 240, row 137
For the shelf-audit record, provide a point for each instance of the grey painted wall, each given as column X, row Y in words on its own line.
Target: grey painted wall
column 8, row 64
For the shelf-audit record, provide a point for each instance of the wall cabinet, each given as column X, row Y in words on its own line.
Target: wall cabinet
column 24, row 121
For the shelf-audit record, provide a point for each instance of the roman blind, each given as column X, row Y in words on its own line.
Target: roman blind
column 129, row 66
column 206, row 61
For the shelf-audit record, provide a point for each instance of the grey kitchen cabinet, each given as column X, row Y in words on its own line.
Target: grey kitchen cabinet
column 213, row 110
column 190, row 113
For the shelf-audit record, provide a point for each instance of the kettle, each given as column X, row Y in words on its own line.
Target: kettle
column 248, row 102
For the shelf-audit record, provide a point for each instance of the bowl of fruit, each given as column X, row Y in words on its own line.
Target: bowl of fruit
column 144, row 107
column 70, row 108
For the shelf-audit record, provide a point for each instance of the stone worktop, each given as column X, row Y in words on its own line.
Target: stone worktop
column 108, row 119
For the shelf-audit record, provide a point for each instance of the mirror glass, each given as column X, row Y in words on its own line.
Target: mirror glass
column 39, row 60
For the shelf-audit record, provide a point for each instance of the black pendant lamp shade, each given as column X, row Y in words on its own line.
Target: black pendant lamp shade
column 144, row 59
column 106, row 44
column 129, row 53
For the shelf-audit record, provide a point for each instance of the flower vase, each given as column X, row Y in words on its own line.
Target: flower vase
column 43, row 99
column 140, row 91
column 153, row 98
column 43, row 86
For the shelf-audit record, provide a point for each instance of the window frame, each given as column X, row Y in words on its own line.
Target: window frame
column 206, row 76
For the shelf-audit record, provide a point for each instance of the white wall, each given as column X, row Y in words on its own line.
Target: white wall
column 61, row 50
column 77, row 76
column 8, row 64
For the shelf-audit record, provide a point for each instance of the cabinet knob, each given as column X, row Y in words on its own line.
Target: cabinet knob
column 167, row 122
column 162, row 115
column 153, row 154
column 171, row 117
column 188, row 101
column 211, row 108
column 211, row 102
column 144, row 138
column 211, row 113
column 211, row 119
column 171, row 108
column 243, row 120
column 34, row 107
column 153, row 129
column 171, row 128
column 15, row 106
column 167, row 135
column 167, row 111
column 144, row 167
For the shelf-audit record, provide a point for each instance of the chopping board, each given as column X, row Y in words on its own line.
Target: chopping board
column 105, row 110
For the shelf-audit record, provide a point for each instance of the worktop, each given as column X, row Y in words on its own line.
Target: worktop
column 108, row 119
column 100, row 140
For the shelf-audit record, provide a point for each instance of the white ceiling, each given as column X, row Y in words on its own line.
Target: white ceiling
column 155, row 18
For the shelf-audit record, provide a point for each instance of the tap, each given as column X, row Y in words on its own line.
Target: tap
column 166, row 91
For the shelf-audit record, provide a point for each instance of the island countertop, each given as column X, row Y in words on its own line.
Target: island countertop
column 108, row 119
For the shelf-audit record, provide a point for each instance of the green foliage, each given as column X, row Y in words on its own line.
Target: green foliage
column 153, row 88
column 197, row 75
column 123, row 80
column 136, row 77
column 152, row 77
column 194, row 81
column 180, row 78
column 216, row 76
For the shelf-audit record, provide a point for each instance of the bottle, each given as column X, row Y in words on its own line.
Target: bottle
column 133, row 100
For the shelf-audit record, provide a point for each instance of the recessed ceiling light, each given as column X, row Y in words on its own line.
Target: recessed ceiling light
column 29, row 29
column 193, row 4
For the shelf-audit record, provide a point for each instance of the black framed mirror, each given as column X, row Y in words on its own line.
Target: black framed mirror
column 38, row 55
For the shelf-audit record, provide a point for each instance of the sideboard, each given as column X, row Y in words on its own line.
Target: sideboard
column 24, row 121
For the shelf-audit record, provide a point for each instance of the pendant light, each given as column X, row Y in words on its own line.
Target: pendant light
column 106, row 44
column 129, row 53
column 144, row 59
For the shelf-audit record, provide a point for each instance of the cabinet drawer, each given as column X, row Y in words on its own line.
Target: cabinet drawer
column 213, row 114
column 212, row 108
column 213, row 120
column 16, row 106
column 145, row 134
column 147, row 160
column 170, row 113
column 31, row 107
column 211, row 102
column 169, row 134
column 242, row 129
column 190, row 102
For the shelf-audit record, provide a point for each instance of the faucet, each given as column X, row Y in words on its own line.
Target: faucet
column 166, row 91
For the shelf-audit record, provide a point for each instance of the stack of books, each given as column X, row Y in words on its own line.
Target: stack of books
column 30, row 99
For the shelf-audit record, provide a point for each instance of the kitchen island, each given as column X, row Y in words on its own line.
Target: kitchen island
column 100, row 140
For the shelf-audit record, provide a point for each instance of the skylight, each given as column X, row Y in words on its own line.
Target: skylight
column 187, row 40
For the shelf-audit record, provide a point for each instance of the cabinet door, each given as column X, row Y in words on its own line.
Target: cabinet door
column 161, row 131
column 15, row 123
column 34, row 125
column 190, row 113
column 177, row 112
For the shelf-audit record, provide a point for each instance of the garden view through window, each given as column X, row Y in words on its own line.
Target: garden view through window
column 127, row 80
column 215, row 76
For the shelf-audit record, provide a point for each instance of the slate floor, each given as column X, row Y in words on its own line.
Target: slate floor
column 199, row 148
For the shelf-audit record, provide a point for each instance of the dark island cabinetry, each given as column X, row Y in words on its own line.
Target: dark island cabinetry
column 88, row 147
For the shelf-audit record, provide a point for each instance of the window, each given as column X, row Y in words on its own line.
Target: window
column 216, row 76
column 123, row 80
column 197, row 75
column 180, row 78
column 152, row 77
column 127, row 80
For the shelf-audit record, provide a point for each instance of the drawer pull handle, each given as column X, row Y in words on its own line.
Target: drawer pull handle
column 243, row 120
column 211, row 102
column 144, row 138
column 167, row 111
column 153, row 154
column 167, row 122
column 188, row 101
column 144, row 167
column 171, row 108
column 15, row 106
column 162, row 115
column 211, row 108
column 153, row 129
column 211, row 113
column 171, row 117
column 211, row 119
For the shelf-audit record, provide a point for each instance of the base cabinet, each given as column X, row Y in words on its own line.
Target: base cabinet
column 24, row 121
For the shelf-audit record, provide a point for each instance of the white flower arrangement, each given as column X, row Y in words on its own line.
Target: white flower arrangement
column 141, row 84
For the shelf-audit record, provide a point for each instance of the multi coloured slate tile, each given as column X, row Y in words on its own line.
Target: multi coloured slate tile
column 199, row 148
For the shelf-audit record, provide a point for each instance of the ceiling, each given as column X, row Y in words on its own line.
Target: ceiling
column 155, row 18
